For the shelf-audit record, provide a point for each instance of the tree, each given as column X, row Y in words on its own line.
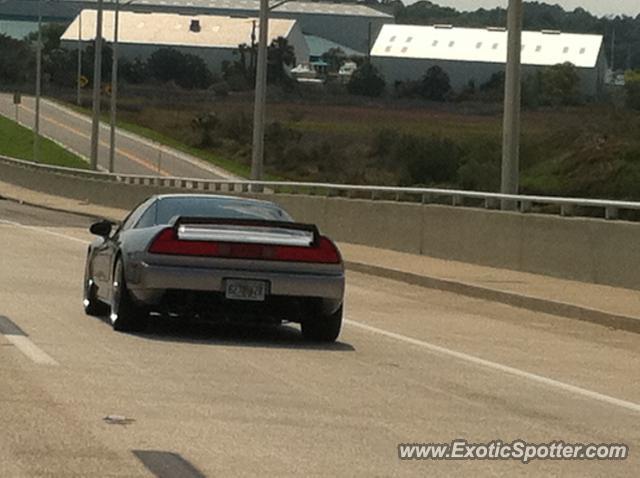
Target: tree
column 51, row 33
column 133, row 71
column 435, row 84
column 280, row 56
column 560, row 85
column 186, row 70
column 240, row 74
column 88, row 61
column 60, row 67
column 366, row 81
column 17, row 61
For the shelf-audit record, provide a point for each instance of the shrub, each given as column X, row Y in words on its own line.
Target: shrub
column 237, row 127
column 632, row 89
column 480, row 169
column 424, row 160
column 205, row 125
column 133, row 71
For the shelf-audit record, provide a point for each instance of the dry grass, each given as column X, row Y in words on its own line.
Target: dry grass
column 591, row 151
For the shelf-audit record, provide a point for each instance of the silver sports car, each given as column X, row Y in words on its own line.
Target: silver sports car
column 214, row 258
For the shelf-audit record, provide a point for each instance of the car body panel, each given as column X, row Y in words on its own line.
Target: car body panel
column 150, row 276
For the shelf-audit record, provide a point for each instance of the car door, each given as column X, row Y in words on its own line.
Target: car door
column 105, row 253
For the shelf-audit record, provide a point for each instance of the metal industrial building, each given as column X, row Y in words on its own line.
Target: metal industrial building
column 214, row 38
column 406, row 52
column 351, row 25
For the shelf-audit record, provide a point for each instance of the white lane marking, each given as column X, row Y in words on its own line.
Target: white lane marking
column 44, row 231
column 634, row 407
column 31, row 350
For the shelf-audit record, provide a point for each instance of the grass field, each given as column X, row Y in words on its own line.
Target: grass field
column 17, row 142
column 587, row 151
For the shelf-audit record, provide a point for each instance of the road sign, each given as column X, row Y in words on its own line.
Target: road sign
column 84, row 81
column 17, row 98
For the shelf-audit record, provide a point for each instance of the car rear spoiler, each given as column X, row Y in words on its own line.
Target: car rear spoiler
column 257, row 231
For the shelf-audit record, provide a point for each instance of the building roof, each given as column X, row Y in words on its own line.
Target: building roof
column 344, row 9
column 318, row 46
column 443, row 42
column 174, row 29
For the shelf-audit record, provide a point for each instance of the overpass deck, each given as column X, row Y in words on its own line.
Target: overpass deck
column 608, row 306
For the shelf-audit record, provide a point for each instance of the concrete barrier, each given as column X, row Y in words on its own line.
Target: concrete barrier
column 583, row 249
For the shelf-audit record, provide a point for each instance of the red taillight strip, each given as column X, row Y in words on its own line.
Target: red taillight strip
column 167, row 242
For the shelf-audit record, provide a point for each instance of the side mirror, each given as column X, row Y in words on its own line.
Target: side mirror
column 102, row 228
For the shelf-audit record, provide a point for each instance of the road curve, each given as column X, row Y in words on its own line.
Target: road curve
column 412, row 365
column 135, row 155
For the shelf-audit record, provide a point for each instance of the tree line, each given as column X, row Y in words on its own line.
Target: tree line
column 165, row 65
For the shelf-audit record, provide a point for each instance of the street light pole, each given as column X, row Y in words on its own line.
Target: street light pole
column 79, row 85
column 257, row 154
column 512, row 98
column 36, row 129
column 97, row 83
column 114, row 88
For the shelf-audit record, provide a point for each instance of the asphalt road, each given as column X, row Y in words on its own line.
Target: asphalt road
column 135, row 155
column 412, row 365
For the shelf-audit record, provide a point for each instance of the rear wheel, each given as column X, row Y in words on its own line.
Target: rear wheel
column 125, row 316
column 322, row 327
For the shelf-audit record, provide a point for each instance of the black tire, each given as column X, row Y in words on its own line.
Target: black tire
column 92, row 305
column 125, row 315
column 322, row 327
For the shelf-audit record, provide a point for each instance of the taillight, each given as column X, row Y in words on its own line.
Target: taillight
column 325, row 252
column 167, row 242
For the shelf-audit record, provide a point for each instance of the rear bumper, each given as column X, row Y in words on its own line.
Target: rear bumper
column 148, row 282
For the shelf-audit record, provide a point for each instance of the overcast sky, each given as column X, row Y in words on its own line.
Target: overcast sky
column 597, row 7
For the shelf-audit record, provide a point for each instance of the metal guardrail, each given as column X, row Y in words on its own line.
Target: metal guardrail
column 525, row 203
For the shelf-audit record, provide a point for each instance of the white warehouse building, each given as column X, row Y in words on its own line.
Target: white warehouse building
column 213, row 38
column 349, row 24
column 406, row 52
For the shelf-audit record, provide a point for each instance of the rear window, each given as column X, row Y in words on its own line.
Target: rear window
column 168, row 208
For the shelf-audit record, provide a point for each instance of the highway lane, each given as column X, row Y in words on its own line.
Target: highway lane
column 135, row 155
column 234, row 401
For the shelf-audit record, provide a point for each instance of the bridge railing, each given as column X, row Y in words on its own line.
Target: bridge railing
column 565, row 206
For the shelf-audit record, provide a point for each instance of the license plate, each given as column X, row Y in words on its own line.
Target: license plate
column 238, row 289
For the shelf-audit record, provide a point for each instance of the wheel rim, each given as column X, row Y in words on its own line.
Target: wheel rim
column 116, row 294
column 86, row 298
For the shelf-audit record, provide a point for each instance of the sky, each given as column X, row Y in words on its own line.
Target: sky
column 597, row 7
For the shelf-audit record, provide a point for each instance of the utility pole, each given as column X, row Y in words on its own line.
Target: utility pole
column 257, row 154
column 97, row 84
column 79, row 85
column 36, row 129
column 114, row 88
column 512, row 97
